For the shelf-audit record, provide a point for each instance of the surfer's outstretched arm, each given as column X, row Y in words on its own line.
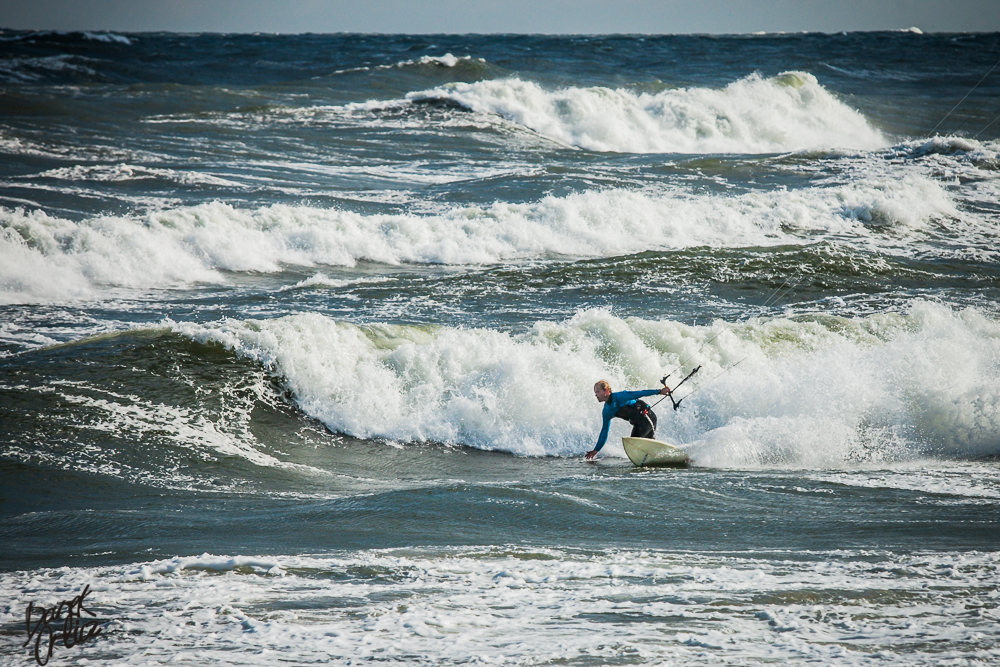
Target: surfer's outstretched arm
column 620, row 398
column 603, row 437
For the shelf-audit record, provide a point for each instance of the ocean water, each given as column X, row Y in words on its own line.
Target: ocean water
column 298, row 336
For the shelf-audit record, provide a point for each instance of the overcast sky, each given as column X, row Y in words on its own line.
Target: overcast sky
column 490, row 16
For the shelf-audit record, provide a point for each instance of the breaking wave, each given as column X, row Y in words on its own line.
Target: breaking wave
column 43, row 257
column 817, row 391
column 790, row 112
column 446, row 61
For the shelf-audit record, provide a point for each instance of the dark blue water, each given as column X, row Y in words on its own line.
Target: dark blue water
column 298, row 335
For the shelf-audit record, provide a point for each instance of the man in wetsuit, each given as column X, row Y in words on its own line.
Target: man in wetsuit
column 625, row 405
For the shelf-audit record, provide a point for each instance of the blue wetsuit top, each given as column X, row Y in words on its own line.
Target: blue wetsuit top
column 619, row 400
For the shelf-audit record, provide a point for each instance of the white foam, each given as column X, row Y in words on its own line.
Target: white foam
column 483, row 605
column 12, row 333
column 43, row 257
column 107, row 38
column 447, row 60
column 412, row 172
column 964, row 147
column 949, row 485
column 128, row 172
column 370, row 114
column 790, row 112
column 823, row 392
column 14, row 145
column 882, row 389
column 320, row 279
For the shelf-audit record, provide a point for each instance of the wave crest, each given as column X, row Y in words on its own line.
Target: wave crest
column 790, row 112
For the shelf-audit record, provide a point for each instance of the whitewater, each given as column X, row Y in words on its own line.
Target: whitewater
column 297, row 352
column 790, row 112
column 875, row 389
column 51, row 257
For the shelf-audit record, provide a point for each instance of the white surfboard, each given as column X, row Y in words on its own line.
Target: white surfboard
column 646, row 452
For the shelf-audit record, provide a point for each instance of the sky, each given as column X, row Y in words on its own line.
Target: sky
column 492, row 16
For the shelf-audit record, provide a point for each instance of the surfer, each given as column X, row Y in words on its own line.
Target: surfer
column 625, row 405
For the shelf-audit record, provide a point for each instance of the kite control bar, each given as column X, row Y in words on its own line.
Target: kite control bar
column 670, row 392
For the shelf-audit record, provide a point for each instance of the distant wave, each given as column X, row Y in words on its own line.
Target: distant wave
column 64, row 37
column 30, row 70
column 43, row 257
column 823, row 392
column 65, row 67
column 107, row 38
column 790, row 112
column 447, row 60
